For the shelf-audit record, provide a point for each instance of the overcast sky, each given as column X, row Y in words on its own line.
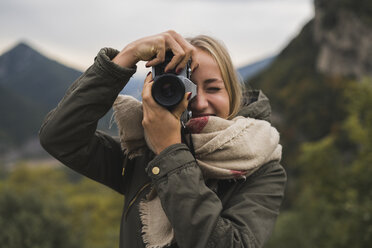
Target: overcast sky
column 73, row 31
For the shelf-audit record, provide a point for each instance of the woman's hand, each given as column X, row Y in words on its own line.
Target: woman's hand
column 152, row 49
column 162, row 127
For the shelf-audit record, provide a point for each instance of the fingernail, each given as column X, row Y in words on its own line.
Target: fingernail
column 148, row 74
column 189, row 95
column 179, row 70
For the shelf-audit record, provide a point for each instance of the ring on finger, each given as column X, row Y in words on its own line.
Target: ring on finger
column 153, row 50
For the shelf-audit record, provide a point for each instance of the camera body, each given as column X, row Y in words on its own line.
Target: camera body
column 169, row 88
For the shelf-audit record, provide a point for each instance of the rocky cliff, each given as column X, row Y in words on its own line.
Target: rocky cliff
column 305, row 83
column 343, row 32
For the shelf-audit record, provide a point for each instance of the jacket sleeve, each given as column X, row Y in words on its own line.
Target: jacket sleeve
column 196, row 213
column 69, row 131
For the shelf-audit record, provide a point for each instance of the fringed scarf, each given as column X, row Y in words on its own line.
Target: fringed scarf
column 224, row 149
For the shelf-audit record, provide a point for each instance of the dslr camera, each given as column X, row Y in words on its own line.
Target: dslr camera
column 169, row 88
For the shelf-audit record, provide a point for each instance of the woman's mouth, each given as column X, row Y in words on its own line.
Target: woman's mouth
column 201, row 115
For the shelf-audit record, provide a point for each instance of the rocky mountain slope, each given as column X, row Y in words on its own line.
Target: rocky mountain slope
column 30, row 85
column 305, row 81
column 343, row 32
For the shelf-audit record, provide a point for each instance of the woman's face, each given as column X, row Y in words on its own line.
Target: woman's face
column 212, row 97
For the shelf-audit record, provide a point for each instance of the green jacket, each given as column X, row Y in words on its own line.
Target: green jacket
column 238, row 213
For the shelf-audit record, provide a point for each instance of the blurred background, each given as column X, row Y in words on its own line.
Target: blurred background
column 313, row 59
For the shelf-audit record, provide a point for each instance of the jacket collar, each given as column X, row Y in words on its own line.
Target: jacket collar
column 255, row 105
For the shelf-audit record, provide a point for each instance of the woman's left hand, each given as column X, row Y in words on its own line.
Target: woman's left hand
column 162, row 127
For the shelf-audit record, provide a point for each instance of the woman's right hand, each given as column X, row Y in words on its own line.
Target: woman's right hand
column 152, row 49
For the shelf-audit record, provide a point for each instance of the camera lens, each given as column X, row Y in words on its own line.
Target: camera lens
column 168, row 90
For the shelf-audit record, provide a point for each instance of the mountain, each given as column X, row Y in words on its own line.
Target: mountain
column 19, row 118
column 305, row 81
column 134, row 87
column 342, row 30
column 248, row 71
column 39, row 80
column 320, row 88
column 30, row 85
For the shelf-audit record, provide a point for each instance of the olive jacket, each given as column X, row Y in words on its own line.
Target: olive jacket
column 222, row 214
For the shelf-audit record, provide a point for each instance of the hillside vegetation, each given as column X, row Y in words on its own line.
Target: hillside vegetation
column 41, row 207
column 307, row 105
column 325, row 121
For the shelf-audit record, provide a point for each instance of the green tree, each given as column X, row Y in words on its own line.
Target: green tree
column 42, row 206
column 333, row 205
column 29, row 219
column 97, row 210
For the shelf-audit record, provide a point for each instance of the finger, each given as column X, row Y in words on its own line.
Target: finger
column 188, row 49
column 178, row 53
column 194, row 65
column 147, row 99
column 148, row 77
column 183, row 63
column 159, row 58
column 182, row 106
column 188, row 52
column 145, row 89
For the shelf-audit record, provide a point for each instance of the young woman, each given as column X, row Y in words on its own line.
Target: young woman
column 228, row 196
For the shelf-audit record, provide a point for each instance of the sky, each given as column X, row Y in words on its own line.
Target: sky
column 73, row 31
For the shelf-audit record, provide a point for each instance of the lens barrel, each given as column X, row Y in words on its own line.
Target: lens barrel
column 168, row 90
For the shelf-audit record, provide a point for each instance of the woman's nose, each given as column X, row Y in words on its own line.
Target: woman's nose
column 199, row 103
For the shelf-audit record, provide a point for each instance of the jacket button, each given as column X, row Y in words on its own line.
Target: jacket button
column 155, row 170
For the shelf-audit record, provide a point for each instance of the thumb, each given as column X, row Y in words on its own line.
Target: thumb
column 182, row 106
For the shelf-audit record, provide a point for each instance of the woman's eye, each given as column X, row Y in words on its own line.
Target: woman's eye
column 213, row 89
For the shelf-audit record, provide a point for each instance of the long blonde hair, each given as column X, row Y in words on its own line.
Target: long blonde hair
column 229, row 75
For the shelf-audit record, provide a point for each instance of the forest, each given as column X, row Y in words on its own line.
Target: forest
column 331, row 205
column 52, row 206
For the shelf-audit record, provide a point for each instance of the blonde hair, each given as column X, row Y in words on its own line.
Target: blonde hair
column 229, row 75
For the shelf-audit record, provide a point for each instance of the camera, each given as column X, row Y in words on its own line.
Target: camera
column 169, row 88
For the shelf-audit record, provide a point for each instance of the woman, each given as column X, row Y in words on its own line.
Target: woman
column 202, row 213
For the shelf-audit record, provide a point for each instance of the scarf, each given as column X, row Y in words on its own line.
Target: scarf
column 224, row 149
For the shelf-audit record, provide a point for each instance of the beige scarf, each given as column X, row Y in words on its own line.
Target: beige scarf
column 224, row 149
